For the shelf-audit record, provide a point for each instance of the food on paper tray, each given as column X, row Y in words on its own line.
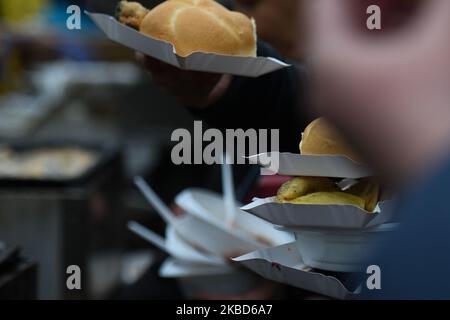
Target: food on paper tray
column 321, row 138
column 193, row 26
column 46, row 163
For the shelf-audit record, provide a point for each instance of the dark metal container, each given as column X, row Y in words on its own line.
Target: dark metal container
column 59, row 223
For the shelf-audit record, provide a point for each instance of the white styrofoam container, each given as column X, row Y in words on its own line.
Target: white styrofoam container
column 176, row 268
column 176, row 246
column 198, row 61
column 284, row 264
column 339, row 250
column 216, row 241
column 181, row 249
column 247, row 234
column 291, row 164
column 317, row 215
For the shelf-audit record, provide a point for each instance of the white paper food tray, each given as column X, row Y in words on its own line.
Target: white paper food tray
column 284, row 264
column 291, row 164
column 198, row 61
column 322, row 216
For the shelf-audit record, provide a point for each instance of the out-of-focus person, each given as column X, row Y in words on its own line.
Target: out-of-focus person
column 390, row 94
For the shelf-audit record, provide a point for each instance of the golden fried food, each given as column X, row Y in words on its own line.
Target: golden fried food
column 300, row 186
column 330, row 198
column 131, row 13
column 369, row 190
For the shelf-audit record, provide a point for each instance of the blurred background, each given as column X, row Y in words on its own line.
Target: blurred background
column 81, row 118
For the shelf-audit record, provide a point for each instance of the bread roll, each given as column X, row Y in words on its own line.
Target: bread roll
column 321, row 138
column 201, row 26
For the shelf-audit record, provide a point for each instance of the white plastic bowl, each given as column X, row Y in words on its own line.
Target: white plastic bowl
column 211, row 232
column 344, row 250
column 186, row 252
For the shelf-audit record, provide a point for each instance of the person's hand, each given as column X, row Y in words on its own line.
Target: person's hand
column 190, row 88
column 388, row 93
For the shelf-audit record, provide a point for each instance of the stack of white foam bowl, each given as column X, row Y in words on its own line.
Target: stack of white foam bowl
column 339, row 250
column 200, row 243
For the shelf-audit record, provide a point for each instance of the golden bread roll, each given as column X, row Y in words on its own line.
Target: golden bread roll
column 300, row 186
column 330, row 198
column 195, row 26
column 321, row 138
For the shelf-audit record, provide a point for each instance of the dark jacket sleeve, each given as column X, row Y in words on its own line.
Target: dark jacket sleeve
column 273, row 101
column 414, row 260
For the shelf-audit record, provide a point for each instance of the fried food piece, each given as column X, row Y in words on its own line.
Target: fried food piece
column 369, row 190
column 300, row 186
column 330, row 198
column 131, row 13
